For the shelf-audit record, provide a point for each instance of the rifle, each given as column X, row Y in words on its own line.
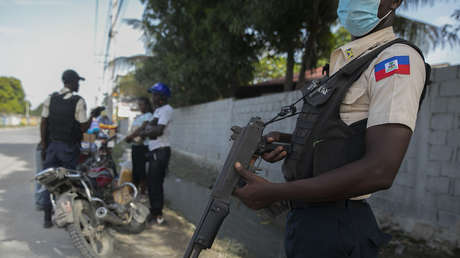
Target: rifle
column 248, row 142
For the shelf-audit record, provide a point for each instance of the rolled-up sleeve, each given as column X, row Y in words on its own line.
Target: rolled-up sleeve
column 80, row 111
column 46, row 107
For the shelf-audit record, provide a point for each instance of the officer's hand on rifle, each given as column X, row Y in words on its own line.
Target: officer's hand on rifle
column 256, row 194
column 279, row 153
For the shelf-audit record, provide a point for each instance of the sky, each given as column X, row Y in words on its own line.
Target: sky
column 39, row 39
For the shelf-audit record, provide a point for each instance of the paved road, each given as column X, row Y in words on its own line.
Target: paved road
column 21, row 231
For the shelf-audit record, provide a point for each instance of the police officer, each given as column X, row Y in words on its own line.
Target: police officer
column 63, row 121
column 159, row 148
column 349, row 141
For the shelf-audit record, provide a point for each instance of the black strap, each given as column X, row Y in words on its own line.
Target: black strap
column 354, row 69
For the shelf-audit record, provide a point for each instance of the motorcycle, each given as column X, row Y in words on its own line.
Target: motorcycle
column 98, row 154
column 87, row 203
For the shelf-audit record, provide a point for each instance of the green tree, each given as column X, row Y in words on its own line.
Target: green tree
column 204, row 49
column 338, row 39
column 128, row 86
column 278, row 27
column 319, row 42
column 11, row 96
column 271, row 67
column 37, row 111
column 424, row 35
column 200, row 48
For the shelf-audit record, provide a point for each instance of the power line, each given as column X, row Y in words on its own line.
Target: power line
column 112, row 23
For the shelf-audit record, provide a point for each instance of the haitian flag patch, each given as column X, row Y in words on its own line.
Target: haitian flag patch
column 396, row 64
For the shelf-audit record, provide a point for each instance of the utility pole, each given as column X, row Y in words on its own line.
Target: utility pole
column 115, row 7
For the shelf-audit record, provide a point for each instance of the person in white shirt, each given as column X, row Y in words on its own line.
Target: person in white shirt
column 159, row 148
column 139, row 145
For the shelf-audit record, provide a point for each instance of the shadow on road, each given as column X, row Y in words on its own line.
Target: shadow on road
column 21, row 231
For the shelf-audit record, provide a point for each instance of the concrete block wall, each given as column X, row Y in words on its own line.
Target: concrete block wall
column 426, row 191
column 425, row 197
column 203, row 131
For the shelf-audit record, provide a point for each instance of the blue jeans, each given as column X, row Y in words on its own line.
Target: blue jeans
column 60, row 154
column 39, row 189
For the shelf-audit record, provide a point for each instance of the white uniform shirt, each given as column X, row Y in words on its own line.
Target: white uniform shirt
column 164, row 114
column 392, row 99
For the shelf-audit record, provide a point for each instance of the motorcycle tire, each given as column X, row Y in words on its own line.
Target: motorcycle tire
column 83, row 234
column 133, row 227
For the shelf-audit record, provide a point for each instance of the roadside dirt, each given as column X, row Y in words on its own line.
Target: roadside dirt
column 402, row 246
column 170, row 240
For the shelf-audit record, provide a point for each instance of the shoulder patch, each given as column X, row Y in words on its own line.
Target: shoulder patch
column 392, row 65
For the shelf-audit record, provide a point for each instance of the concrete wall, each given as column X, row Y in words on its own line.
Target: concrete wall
column 425, row 197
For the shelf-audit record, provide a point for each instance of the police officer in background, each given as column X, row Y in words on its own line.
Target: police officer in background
column 349, row 141
column 62, row 125
column 159, row 148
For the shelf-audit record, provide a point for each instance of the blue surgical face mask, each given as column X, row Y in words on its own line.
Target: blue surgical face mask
column 359, row 17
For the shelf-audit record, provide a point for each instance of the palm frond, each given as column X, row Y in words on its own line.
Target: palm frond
column 146, row 37
column 410, row 4
column 456, row 15
column 134, row 23
column 424, row 35
column 126, row 62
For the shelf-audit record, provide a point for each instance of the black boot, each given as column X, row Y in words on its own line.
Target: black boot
column 48, row 222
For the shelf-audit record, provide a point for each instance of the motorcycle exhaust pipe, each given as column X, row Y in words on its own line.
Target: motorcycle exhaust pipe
column 104, row 214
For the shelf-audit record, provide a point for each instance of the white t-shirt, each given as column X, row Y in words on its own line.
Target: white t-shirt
column 139, row 120
column 163, row 114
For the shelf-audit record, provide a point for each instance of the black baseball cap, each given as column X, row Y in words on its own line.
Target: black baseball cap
column 70, row 75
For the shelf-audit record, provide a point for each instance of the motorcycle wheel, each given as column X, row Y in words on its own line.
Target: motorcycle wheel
column 90, row 242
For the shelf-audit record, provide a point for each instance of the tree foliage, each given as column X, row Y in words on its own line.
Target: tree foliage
column 129, row 86
column 271, row 67
column 452, row 31
column 11, row 96
column 37, row 111
column 205, row 49
column 201, row 48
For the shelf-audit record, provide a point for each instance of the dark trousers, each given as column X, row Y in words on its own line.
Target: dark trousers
column 139, row 159
column 39, row 189
column 158, row 163
column 60, row 154
column 334, row 232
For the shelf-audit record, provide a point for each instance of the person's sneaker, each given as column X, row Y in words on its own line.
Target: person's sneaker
column 47, row 224
column 160, row 220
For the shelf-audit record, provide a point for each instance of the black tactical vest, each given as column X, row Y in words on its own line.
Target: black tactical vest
column 62, row 125
column 321, row 140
